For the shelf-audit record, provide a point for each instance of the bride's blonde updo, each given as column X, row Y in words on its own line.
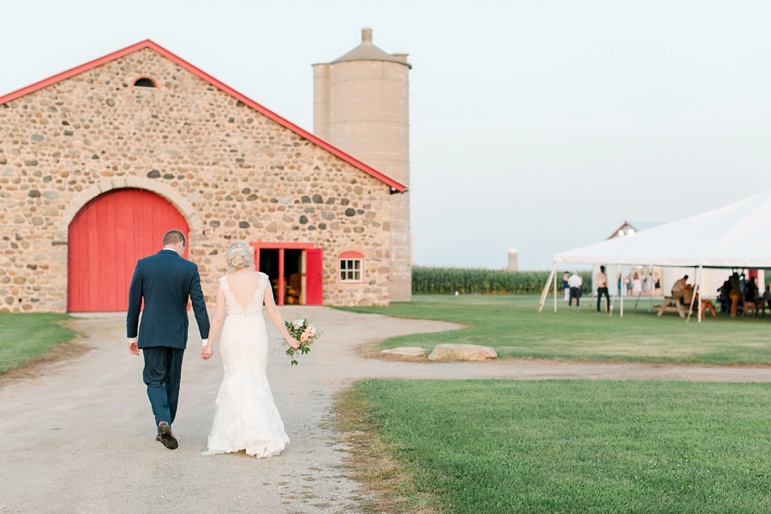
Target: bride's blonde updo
column 239, row 256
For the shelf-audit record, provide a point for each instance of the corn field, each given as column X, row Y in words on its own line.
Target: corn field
column 484, row 281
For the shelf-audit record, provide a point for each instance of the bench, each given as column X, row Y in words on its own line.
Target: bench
column 672, row 304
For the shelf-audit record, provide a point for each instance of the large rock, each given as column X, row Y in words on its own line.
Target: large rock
column 462, row 352
column 412, row 353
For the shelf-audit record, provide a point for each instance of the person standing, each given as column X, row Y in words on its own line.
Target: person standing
column 245, row 415
column 636, row 285
column 601, row 281
column 751, row 296
column 735, row 293
column 566, row 286
column 575, row 283
column 164, row 281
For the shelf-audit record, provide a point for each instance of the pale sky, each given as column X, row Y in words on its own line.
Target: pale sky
column 538, row 125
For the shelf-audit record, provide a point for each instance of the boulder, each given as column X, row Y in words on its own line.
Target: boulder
column 462, row 352
column 412, row 353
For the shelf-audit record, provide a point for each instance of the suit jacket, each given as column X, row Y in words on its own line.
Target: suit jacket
column 165, row 281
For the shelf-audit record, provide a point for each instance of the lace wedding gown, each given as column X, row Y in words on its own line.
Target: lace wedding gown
column 245, row 416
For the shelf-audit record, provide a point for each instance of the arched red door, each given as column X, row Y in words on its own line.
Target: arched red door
column 106, row 238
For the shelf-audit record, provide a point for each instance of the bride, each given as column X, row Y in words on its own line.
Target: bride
column 245, row 416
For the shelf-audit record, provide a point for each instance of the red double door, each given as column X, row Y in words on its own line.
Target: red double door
column 283, row 261
column 106, row 238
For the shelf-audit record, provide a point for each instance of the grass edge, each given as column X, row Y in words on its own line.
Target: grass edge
column 371, row 461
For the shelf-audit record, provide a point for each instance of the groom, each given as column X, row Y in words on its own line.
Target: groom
column 165, row 281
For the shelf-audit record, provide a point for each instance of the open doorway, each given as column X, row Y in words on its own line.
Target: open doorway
column 294, row 270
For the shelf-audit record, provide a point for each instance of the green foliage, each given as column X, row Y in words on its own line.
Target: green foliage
column 24, row 337
column 513, row 326
column 579, row 446
column 483, row 281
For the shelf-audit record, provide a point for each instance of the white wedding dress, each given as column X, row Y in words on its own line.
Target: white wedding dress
column 245, row 416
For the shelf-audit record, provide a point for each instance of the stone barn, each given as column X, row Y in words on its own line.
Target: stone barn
column 96, row 163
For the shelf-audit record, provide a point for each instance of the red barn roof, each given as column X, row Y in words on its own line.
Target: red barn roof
column 219, row 85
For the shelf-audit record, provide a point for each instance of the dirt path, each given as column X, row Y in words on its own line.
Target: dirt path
column 79, row 436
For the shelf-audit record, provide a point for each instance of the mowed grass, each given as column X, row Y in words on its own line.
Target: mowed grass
column 512, row 325
column 25, row 337
column 573, row 446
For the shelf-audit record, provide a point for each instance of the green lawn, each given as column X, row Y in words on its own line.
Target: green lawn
column 24, row 337
column 578, row 446
column 512, row 325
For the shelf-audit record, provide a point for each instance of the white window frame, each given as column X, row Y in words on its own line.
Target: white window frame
column 348, row 273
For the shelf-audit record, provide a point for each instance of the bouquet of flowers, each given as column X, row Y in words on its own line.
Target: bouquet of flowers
column 305, row 333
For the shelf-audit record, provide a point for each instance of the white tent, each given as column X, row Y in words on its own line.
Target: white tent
column 735, row 236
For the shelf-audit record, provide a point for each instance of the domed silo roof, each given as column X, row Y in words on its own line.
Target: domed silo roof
column 367, row 51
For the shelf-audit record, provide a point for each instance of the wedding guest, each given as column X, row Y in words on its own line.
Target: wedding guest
column 735, row 293
column 725, row 296
column 575, row 281
column 678, row 289
column 751, row 296
column 636, row 285
column 601, row 281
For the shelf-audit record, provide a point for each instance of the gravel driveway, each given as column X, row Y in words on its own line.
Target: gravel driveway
column 79, row 436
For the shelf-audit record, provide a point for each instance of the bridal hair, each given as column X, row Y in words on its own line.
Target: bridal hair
column 239, row 256
column 173, row 237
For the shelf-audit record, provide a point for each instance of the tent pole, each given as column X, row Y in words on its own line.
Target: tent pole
column 650, row 291
column 623, row 286
column 693, row 296
column 696, row 272
column 697, row 287
column 555, row 288
column 638, row 298
column 545, row 291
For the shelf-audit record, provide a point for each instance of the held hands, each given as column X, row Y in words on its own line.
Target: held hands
column 207, row 352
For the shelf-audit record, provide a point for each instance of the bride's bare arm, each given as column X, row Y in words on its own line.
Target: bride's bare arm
column 216, row 323
column 277, row 319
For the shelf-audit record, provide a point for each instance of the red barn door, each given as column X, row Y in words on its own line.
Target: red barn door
column 106, row 238
column 314, row 277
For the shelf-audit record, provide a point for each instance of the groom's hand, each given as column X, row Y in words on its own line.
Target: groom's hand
column 207, row 352
column 133, row 348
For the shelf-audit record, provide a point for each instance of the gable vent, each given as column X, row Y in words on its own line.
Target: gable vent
column 144, row 82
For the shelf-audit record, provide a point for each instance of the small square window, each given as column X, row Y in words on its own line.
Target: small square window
column 350, row 270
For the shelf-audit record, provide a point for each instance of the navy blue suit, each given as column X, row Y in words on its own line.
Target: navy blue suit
column 165, row 281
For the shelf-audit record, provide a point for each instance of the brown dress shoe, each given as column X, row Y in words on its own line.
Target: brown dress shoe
column 164, row 434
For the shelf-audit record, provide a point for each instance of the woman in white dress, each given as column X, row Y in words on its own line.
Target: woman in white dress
column 636, row 285
column 245, row 415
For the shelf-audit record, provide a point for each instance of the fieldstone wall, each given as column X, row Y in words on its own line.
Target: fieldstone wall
column 234, row 174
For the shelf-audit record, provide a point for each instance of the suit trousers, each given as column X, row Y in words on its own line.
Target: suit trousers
column 162, row 375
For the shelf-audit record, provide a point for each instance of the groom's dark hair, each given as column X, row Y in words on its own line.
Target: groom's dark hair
column 173, row 237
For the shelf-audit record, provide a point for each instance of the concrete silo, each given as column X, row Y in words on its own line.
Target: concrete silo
column 361, row 106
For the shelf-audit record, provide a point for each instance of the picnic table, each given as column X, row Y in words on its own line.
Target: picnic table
column 672, row 304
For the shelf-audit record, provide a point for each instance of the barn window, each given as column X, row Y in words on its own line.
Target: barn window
column 351, row 267
column 144, row 82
